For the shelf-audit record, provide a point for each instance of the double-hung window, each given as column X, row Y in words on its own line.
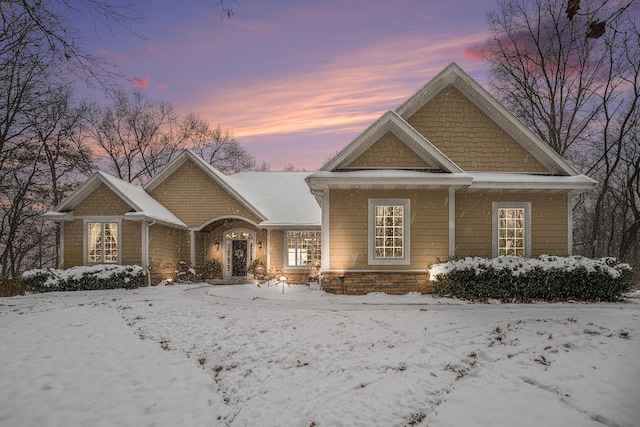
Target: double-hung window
column 102, row 242
column 512, row 229
column 303, row 248
column 389, row 240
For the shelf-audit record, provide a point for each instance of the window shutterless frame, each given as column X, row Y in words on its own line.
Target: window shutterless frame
column 303, row 247
column 511, row 229
column 102, row 240
column 389, row 232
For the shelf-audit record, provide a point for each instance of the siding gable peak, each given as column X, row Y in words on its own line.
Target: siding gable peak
column 454, row 76
column 214, row 174
column 142, row 205
column 425, row 154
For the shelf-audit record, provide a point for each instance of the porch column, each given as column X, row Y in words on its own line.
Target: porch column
column 193, row 248
column 452, row 222
column 325, row 239
column 570, row 223
column 268, row 249
column 61, row 248
column 145, row 245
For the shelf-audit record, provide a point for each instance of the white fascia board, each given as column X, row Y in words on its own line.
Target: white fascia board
column 275, row 224
column 531, row 182
column 142, row 216
column 386, row 179
column 58, row 216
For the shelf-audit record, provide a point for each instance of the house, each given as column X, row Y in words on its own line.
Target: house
column 190, row 212
column 449, row 173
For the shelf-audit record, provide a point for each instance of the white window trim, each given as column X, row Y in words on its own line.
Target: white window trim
column 406, row 232
column 527, row 224
column 85, row 238
column 286, row 248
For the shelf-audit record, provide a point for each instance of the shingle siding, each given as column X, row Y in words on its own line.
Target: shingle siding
column 469, row 137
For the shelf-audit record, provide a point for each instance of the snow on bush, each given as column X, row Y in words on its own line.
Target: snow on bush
column 84, row 278
column 523, row 279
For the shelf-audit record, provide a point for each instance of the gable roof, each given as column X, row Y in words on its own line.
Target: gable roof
column 335, row 173
column 391, row 122
column 217, row 176
column 455, row 76
column 145, row 206
column 283, row 197
column 277, row 198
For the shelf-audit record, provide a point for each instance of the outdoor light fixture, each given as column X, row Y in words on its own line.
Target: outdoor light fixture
column 260, row 245
column 217, row 245
column 283, row 280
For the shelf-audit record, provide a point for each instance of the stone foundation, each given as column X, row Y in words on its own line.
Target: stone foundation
column 389, row 282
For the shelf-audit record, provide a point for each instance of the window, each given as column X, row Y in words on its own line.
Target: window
column 511, row 224
column 389, row 231
column 303, row 248
column 102, row 242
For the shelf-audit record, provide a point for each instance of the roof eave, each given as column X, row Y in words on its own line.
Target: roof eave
column 142, row 216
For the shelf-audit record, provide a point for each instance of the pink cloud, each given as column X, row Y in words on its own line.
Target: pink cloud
column 141, row 82
column 161, row 87
column 151, row 50
column 346, row 95
column 103, row 52
column 474, row 52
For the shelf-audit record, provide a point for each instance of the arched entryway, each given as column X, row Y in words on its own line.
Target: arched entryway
column 239, row 252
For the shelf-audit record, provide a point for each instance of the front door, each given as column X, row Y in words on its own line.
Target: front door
column 239, row 258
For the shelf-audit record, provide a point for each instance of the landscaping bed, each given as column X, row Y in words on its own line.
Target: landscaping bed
column 547, row 278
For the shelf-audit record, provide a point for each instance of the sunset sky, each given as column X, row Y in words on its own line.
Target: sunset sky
column 294, row 80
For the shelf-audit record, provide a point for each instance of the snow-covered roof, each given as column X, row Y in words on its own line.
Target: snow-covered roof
column 488, row 180
column 277, row 198
column 282, row 197
column 385, row 178
column 145, row 206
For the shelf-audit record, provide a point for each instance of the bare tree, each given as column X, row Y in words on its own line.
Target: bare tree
column 66, row 159
column 579, row 93
column 38, row 50
column 139, row 136
column 219, row 147
column 545, row 70
column 50, row 29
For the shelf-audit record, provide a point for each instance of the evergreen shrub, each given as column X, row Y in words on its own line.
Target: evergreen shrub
column 547, row 278
column 84, row 278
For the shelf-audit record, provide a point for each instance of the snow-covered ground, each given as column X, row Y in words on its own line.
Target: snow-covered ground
column 197, row 355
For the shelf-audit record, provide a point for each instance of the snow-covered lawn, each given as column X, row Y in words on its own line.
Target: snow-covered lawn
column 197, row 355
